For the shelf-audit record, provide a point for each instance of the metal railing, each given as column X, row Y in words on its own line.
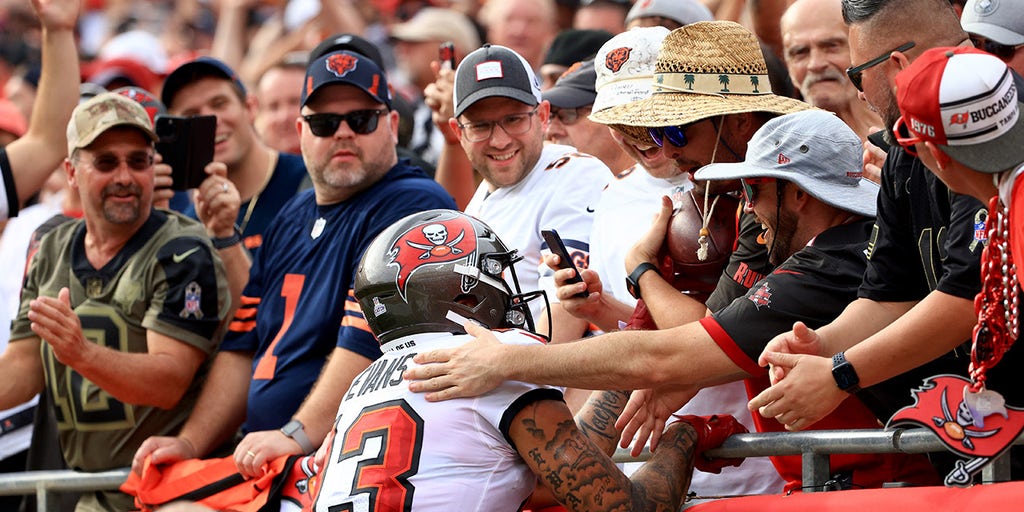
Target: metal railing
column 813, row 447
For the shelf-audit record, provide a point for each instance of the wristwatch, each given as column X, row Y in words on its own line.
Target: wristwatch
column 633, row 279
column 844, row 374
column 227, row 241
column 296, row 431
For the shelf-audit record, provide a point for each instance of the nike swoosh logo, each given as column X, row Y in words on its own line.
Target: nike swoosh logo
column 178, row 258
column 590, row 209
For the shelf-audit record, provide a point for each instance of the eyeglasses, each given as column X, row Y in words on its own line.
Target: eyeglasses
column 107, row 162
column 1003, row 51
column 855, row 72
column 515, row 124
column 905, row 137
column 749, row 192
column 359, row 121
column 676, row 135
column 569, row 116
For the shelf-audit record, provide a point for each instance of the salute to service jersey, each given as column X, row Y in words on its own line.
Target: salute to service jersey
column 813, row 286
column 561, row 192
column 297, row 306
column 167, row 279
column 393, row 450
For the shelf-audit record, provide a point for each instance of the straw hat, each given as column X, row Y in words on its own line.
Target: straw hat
column 703, row 70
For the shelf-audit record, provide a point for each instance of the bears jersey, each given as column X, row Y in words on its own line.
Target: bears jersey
column 297, row 306
column 393, row 450
column 167, row 279
column 561, row 192
column 813, row 286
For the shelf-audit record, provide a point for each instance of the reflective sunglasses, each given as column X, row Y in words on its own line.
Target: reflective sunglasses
column 855, row 72
column 749, row 191
column 905, row 137
column 570, row 116
column 359, row 121
column 675, row 135
column 514, row 124
column 107, row 162
column 1003, row 51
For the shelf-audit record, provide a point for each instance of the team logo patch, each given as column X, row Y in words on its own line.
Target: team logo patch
column 762, row 297
column 961, row 118
column 616, row 58
column 193, row 294
column 341, row 64
column 432, row 243
column 979, row 426
column 980, row 229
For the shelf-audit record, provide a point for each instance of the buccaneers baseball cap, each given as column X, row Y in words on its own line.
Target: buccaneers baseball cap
column 814, row 149
column 193, row 70
column 1001, row 21
column 625, row 66
column 575, row 88
column 346, row 68
column 347, row 42
column 491, row 71
column 966, row 102
column 102, row 112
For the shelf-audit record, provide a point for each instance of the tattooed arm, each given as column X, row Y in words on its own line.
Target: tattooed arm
column 583, row 478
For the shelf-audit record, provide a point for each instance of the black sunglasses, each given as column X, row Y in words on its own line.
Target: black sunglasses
column 360, row 121
column 855, row 72
column 138, row 161
column 1003, row 51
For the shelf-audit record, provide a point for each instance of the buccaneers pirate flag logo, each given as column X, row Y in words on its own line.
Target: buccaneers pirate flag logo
column 432, row 243
column 979, row 426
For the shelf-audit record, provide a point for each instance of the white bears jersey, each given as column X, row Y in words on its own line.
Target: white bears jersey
column 561, row 192
column 392, row 450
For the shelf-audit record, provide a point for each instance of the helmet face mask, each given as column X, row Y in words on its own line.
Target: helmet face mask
column 432, row 270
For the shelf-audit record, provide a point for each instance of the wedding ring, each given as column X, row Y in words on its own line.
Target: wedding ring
column 225, row 190
column 249, row 452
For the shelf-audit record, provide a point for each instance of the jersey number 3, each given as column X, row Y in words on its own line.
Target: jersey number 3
column 384, row 442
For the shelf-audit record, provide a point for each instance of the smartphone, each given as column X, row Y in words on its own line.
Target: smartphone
column 557, row 247
column 186, row 144
column 446, row 55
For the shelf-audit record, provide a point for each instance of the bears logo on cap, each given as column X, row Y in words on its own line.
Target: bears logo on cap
column 341, row 64
column 616, row 58
column 431, row 244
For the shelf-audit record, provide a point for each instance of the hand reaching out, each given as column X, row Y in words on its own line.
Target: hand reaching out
column 646, row 413
column 801, row 340
column 468, row 370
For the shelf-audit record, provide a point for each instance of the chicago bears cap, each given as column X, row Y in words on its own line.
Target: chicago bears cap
column 193, row 70
column 346, row 68
column 625, row 66
column 966, row 102
column 102, row 112
column 575, row 88
column 999, row 20
column 493, row 70
column 814, row 149
column 682, row 12
column 349, row 42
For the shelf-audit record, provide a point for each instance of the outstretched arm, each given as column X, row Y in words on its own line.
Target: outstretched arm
column 37, row 154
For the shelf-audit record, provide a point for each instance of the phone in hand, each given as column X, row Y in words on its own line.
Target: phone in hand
column 186, row 144
column 557, row 247
column 446, row 55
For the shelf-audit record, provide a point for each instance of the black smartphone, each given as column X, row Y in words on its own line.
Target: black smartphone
column 186, row 144
column 446, row 54
column 557, row 247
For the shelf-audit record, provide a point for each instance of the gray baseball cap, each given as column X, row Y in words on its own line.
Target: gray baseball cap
column 494, row 70
column 814, row 149
column 999, row 20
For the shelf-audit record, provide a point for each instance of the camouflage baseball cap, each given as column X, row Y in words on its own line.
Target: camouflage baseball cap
column 103, row 112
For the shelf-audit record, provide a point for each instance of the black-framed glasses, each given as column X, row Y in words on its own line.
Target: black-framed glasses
column 855, row 72
column 749, row 191
column 570, row 116
column 675, row 135
column 359, row 121
column 513, row 124
column 1003, row 51
column 107, row 162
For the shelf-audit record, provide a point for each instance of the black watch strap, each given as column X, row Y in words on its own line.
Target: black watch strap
column 633, row 279
column 227, row 241
column 845, row 375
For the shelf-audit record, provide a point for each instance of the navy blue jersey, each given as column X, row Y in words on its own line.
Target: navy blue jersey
column 283, row 185
column 300, row 285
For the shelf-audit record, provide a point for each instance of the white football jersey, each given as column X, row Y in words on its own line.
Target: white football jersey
column 395, row 451
column 561, row 192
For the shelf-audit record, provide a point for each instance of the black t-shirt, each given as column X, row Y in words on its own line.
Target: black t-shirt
column 813, row 286
column 747, row 265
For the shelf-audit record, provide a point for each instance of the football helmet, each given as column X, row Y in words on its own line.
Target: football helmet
column 431, row 270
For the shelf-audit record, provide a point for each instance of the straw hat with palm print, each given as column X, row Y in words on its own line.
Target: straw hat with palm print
column 705, row 69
